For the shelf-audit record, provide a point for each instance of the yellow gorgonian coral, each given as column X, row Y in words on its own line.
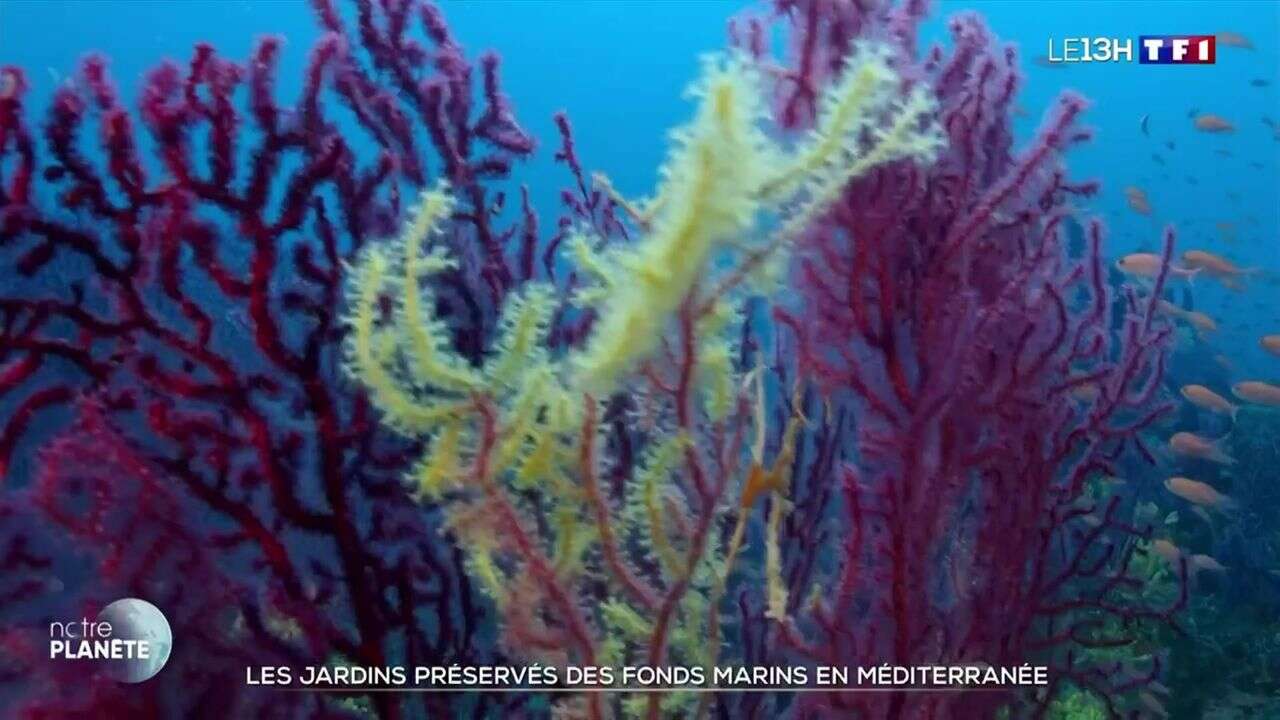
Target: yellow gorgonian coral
column 513, row 442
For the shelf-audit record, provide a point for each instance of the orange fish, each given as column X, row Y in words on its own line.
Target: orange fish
column 1214, row 265
column 1257, row 392
column 1231, row 39
column 1213, row 124
column 1192, row 445
column 1200, row 321
column 1142, row 207
column 1137, row 199
column 1271, row 343
column 1166, row 550
column 1148, row 265
column 759, row 481
column 1205, row 562
column 1203, row 397
column 1195, row 318
column 1198, row 493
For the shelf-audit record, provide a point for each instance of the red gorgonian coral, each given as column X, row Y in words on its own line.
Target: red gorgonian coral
column 171, row 323
column 986, row 387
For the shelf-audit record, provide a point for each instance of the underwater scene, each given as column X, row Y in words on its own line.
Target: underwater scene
column 593, row 359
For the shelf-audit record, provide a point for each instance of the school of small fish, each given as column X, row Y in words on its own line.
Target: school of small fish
column 1201, row 495
column 1217, row 399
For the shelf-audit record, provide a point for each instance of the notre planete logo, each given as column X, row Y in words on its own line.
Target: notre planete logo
column 130, row 639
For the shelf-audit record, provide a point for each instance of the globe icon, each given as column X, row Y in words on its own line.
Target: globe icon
column 134, row 619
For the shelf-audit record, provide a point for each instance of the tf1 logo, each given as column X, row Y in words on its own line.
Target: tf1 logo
column 1151, row 50
column 1177, row 49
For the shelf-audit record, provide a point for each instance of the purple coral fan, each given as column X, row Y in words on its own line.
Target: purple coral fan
column 985, row 383
column 173, row 327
